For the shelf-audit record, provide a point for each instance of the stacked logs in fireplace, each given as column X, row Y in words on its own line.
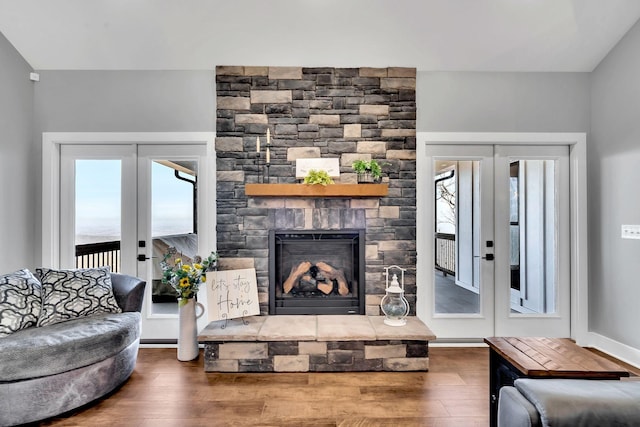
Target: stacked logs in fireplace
column 312, row 279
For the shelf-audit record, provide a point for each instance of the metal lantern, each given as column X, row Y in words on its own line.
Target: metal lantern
column 394, row 305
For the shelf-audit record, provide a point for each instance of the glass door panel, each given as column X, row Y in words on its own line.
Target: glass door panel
column 173, row 222
column 98, row 213
column 93, row 208
column 457, row 246
column 533, row 235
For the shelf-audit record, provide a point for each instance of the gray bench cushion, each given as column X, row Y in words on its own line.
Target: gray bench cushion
column 52, row 349
column 565, row 402
column 516, row 411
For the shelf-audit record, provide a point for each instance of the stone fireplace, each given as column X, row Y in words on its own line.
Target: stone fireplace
column 344, row 113
column 316, row 272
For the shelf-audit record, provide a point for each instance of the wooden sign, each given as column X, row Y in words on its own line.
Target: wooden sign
column 232, row 294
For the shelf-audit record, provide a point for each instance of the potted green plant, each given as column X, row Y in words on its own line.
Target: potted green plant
column 318, row 177
column 368, row 171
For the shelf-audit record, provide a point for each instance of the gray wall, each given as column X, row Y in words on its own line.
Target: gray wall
column 125, row 101
column 19, row 170
column 502, row 102
column 614, row 174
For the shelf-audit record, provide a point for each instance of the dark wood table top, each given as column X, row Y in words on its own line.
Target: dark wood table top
column 554, row 357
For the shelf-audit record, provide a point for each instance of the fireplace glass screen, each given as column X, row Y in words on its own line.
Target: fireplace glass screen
column 316, row 272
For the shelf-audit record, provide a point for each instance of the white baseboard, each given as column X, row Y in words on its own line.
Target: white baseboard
column 158, row 345
column 614, row 348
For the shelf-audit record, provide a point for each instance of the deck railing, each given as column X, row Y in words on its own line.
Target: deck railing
column 446, row 253
column 99, row 254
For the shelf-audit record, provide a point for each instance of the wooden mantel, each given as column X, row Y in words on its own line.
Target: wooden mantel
column 316, row 190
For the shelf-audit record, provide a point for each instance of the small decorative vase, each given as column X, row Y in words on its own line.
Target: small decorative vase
column 188, row 333
column 367, row 178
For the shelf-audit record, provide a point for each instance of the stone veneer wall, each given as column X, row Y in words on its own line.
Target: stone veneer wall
column 317, row 356
column 348, row 113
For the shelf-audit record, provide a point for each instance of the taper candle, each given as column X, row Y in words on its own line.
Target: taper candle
column 268, row 155
column 257, row 144
column 268, row 136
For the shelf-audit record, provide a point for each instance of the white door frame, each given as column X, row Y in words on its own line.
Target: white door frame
column 577, row 143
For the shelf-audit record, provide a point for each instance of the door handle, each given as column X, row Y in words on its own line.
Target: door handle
column 488, row 257
column 142, row 257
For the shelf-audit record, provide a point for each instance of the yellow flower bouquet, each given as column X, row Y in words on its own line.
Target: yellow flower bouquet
column 186, row 278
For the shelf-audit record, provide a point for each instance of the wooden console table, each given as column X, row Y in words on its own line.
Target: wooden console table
column 511, row 358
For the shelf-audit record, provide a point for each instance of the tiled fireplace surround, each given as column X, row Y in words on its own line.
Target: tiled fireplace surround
column 348, row 113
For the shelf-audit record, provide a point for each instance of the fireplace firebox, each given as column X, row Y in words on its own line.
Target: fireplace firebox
column 316, row 272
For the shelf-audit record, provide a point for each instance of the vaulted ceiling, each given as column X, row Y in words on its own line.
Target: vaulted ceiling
column 465, row 35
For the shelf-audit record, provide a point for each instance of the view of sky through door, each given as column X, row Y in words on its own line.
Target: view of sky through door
column 98, row 201
column 172, row 202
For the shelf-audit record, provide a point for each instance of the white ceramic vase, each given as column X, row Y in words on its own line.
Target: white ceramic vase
column 188, row 329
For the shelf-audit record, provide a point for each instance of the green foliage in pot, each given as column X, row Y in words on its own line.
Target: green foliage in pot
column 372, row 167
column 318, row 177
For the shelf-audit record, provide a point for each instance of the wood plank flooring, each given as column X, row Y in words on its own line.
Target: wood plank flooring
column 165, row 392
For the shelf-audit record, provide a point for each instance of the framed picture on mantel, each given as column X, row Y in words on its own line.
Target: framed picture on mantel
column 329, row 165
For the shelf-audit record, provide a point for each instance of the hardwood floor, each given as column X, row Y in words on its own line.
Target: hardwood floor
column 165, row 392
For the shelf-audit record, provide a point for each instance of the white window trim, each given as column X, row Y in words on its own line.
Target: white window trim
column 577, row 143
column 51, row 142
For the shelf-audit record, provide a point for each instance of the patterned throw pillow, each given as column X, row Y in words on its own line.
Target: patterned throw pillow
column 70, row 294
column 20, row 303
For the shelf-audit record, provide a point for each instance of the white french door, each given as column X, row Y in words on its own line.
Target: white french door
column 499, row 255
column 461, row 207
column 125, row 205
column 532, row 233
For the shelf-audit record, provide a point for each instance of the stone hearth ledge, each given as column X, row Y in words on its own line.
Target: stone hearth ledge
column 314, row 328
column 305, row 343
